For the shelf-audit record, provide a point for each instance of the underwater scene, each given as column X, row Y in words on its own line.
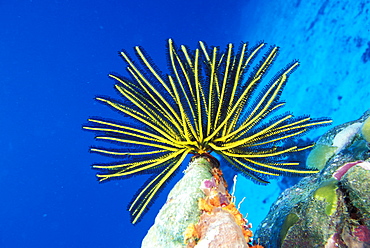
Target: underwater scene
column 185, row 123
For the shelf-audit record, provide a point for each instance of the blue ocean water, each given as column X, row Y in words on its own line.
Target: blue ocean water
column 54, row 59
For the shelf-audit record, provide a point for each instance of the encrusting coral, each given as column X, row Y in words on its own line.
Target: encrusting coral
column 200, row 212
column 181, row 208
column 330, row 209
column 220, row 224
column 365, row 130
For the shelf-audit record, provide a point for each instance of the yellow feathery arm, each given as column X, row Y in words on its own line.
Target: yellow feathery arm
column 217, row 83
column 202, row 94
column 253, row 54
column 187, row 127
column 199, row 94
column 129, row 89
column 258, row 74
column 174, row 55
column 221, row 103
column 106, row 123
column 196, row 97
column 249, row 87
column 198, row 88
column 257, row 179
column 184, row 116
column 267, row 62
column 236, row 80
column 252, row 137
column 137, row 74
column 158, row 139
column 254, row 169
column 304, row 147
column 236, row 84
column 292, row 124
column 277, row 130
column 144, row 198
column 110, row 130
column 287, row 128
column 212, row 81
column 265, row 102
column 278, row 83
column 147, row 164
column 148, row 65
column 268, row 135
column 126, row 165
column 262, row 69
column 213, row 85
column 257, row 154
column 299, row 171
column 150, row 144
column 276, row 86
column 244, row 128
column 290, row 127
column 190, row 64
column 136, row 115
column 284, row 163
column 126, row 153
column 150, row 112
column 138, row 77
column 228, row 116
column 137, row 167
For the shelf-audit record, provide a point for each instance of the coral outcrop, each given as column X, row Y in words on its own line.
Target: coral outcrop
column 331, row 208
column 220, row 224
column 181, row 208
column 200, row 212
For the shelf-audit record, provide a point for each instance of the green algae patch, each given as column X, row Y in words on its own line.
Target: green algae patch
column 289, row 221
column 328, row 192
column 365, row 129
column 320, row 155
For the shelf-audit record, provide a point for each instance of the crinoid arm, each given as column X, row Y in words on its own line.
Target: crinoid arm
column 211, row 101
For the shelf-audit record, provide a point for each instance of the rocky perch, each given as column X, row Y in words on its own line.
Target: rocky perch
column 330, row 208
column 200, row 213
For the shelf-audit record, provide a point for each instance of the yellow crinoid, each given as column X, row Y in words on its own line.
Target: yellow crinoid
column 208, row 103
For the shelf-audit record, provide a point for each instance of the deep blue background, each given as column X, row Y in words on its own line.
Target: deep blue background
column 54, row 58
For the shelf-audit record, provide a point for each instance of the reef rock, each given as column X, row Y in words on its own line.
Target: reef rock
column 180, row 210
column 200, row 213
column 332, row 207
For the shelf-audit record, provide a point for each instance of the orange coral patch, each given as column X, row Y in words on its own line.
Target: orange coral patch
column 203, row 205
column 217, row 198
column 191, row 234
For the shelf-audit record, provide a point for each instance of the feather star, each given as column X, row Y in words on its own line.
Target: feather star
column 208, row 103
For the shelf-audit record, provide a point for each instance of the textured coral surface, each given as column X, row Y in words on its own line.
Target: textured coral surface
column 220, row 224
column 331, row 208
column 180, row 210
column 200, row 213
